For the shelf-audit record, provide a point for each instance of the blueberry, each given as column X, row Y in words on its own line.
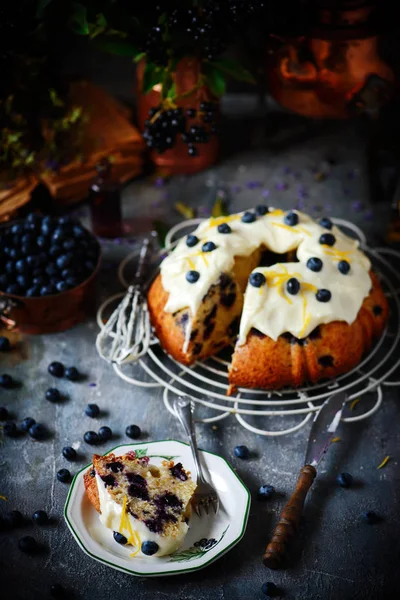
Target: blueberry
column 224, row 228
column 39, row 280
column 191, row 241
column 27, row 423
column 14, row 289
column 79, row 232
column 53, row 395
column 55, row 250
column 17, row 229
column 208, row 247
column 149, row 548
column 371, row 517
column 48, row 290
column 69, row 244
column 248, row 217
column 261, row 210
column 57, row 591
column 40, row 517
column 323, row 295
column 62, row 286
column 293, row 286
column 291, row 218
column 14, row 253
column 69, row 453
column 51, row 269
column 56, row 369
column 14, row 519
column 33, row 292
column 91, row 437
column 10, row 267
column 28, row 544
column 315, row 264
column 72, row 282
column 344, row 267
column 242, row 452
column 58, row 235
column 23, row 281
column 121, row 539
column 257, row 280
column 64, row 476
column 345, row 480
column 10, row 429
column 326, row 223
column 5, row 345
column 105, row 433
column 192, row 276
column 33, row 218
column 327, row 239
column 133, row 431
column 41, row 241
column 72, row 373
column 92, row 410
column 265, row 492
column 3, row 413
column 20, row 265
column 38, row 431
column 6, row 381
column 270, row 589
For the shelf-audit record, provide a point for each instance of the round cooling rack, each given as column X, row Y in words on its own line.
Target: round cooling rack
column 272, row 413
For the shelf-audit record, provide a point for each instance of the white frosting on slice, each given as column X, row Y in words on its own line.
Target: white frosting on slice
column 110, row 516
column 270, row 308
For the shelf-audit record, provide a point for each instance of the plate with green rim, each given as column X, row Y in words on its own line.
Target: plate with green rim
column 208, row 538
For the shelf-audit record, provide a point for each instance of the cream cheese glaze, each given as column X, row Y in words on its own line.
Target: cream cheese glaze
column 270, row 308
column 110, row 516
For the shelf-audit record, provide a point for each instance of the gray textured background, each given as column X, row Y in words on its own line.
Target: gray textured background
column 336, row 555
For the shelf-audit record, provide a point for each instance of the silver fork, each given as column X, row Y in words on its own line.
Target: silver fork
column 205, row 494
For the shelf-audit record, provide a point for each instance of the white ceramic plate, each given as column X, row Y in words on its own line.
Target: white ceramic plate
column 217, row 533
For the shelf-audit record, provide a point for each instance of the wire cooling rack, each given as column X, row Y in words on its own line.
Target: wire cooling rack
column 288, row 410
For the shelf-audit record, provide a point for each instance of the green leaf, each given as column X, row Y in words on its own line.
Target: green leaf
column 152, row 76
column 141, row 453
column 55, row 99
column 79, row 22
column 115, row 46
column 172, row 91
column 234, row 69
column 139, row 57
column 164, row 456
column 41, row 5
column 188, row 554
column 215, row 80
column 98, row 27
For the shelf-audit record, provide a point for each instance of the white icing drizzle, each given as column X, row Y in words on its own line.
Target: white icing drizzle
column 270, row 308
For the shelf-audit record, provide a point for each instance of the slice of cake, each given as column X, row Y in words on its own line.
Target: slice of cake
column 148, row 506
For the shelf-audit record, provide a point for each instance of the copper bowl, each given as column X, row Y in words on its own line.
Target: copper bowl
column 50, row 314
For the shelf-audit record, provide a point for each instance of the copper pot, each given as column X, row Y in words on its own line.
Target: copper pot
column 50, row 314
column 176, row 160
column 335, row 70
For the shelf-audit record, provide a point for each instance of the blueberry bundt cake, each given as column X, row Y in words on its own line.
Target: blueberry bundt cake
column 309, row 314
column 148, row 506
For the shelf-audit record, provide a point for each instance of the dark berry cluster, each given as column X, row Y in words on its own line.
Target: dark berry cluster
column 194, row 126
column 42, row 256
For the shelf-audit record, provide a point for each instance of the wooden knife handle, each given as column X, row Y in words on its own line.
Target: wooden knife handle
column 289, row 519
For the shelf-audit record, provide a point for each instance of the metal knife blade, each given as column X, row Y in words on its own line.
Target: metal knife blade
column 324, row 427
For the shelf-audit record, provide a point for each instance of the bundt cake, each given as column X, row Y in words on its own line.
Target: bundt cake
column 146, row 506
column 309, row 313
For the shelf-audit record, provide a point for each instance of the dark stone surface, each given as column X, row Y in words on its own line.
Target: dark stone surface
column 336, row 556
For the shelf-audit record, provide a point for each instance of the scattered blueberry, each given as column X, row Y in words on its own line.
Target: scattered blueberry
column 27, row 423
column 149, row 548
column 261, row 210
column 345, row 480
column 6, row 381
column 92, row 410
column 242, row 452
column 56, row 369
column 291, row 218
column 105, row 433
column 314, row 264
column 91, row 438
column 53, row 395
column 344, row 267
column 326, row 223
column 327, row 239
column 14, row 519
column 121, row 539
column 224, row 228
column 248, row 217
column 323, row 295
column 40, row 517
column 371, row 517
column 270, row 589
column 208, row 247
column 10, row 429
column 192, row 276
column 133, row 431
column 191, row 241
column 38, row 431
column 5, row 345
column 69, row 453
column 28, row 544
column 265, row 492
column 293, row 286
column 257, row 279
column 3, row 413
column 64, row 476
column 72, row 373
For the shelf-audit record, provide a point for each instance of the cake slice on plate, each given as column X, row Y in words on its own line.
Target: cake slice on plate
column 149, row 506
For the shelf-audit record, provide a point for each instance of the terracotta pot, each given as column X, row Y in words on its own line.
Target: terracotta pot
column 176, row 160
column 335, row 71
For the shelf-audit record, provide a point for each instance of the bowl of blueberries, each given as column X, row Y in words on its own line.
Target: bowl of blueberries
column 48, row 268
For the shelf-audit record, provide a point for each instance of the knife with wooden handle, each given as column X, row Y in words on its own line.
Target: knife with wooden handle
column 322, row 431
